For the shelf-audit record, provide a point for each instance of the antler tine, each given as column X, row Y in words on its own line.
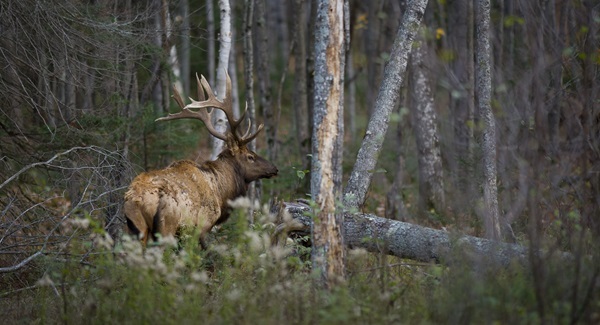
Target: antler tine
column 245, row 139
column 203, row 104
column 185, row 113
column 207, row 101
column 177, row 97
column 227, row 104
column 201, row 96
column 247, row 130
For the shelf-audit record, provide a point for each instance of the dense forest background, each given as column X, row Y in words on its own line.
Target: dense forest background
column 83, row 81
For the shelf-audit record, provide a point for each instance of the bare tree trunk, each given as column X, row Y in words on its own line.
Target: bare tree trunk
column 277, row 23
column 300, row 92
column 387, row 99
column 264, row 77
column 219, row 120
column 310, row 65
column 326, row 173
column 69, row 113
column 249, row 81
column 170, row 44
column 211, row 47
column 394, row 203
column 424, row 117
column 460, row 34
column 232, row 68
column 372, row 36
column 184, row 11
column 351, row 96
column 484, row 98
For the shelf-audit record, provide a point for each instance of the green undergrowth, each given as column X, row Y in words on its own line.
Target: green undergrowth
column 243, row 279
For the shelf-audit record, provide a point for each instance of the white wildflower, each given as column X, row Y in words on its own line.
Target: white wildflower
column 255, row 242
column 276, row 288
column 234, row 294
column 279, row 253
column 82, row 223
column 171, row 277
column 357, row 253
column 222, row 249
column 201, row 277
column 243, row 203
column 169, row 241
column 45, row 281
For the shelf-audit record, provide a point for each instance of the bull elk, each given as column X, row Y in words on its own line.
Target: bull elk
column 187, row 194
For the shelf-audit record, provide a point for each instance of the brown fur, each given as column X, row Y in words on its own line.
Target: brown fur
column 186, row 194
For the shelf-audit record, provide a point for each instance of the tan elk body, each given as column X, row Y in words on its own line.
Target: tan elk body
column 186, row 194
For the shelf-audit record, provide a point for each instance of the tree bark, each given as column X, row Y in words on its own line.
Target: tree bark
column 424, row 117
column 409, row 241
column 232, row 68
column 264, row 77
column 211, row 47
column 371, row 36
column 394, row 203
column 300, row 92
column 253, row 190
column 326, row 172
column 460, row 39
column 488, row 142
column 387, row 99
column 219, row 119
column 184, row 11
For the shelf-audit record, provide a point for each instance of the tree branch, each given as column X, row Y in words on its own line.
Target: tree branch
column 21, row 264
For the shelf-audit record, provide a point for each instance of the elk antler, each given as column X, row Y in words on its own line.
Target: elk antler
column 205, row 115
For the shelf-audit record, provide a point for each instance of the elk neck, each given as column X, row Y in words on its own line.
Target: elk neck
column 228, row 175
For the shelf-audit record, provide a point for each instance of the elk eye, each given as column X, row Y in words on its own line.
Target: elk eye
column 251, row 158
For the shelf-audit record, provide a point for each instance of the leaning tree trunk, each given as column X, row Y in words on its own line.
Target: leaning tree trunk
column 219, row 120
column 387, row 99
column 424, row 118
column 483, row 96
column 326, row 173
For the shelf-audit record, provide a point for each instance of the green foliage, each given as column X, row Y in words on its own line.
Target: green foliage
column 243, row 279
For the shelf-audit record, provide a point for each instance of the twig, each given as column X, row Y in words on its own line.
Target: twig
column 23, row 262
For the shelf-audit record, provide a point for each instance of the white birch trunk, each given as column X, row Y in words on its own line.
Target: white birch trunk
column 219, row 120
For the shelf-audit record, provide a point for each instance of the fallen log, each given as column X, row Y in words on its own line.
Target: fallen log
column 406, row 240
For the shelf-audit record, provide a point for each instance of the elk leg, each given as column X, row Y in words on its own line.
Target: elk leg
column 135, row 222
column 202, row 242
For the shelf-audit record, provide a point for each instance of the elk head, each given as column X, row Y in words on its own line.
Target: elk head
column 252, row 166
